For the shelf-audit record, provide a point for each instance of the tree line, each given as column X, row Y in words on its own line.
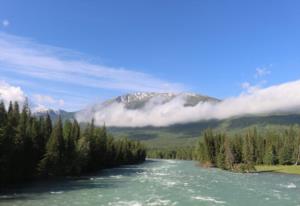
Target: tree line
column 33, row 147
column 243, row 152
column 185, row 153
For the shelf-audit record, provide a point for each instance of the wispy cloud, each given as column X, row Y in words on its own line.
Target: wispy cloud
column 249, row 88
column 5, row 23
column 45, row 102
column 26, row 57
column 258, row 82
column 261, row 72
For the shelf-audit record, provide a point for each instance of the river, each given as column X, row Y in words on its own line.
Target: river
column 161, row 182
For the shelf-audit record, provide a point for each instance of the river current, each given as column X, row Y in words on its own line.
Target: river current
column 160, row 182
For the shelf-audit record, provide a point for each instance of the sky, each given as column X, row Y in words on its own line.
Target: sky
column 69, row 54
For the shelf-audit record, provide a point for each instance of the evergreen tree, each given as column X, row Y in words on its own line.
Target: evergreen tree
column 237, row 148
column 30, row 147
column 70, row 148
column 47, row 127
column 83, row 154
column 270, row 157
column 221, row 158
column 75, row 130
column 286, row 154
column 229, row 156
column 248, row 149
column 53, row 163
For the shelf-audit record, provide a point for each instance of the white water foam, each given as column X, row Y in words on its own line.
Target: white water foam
column 289, row 186
column 170, row 183
column 208, row 199
column 159, row 202
column 116, row 176
column 56, row 192
column 171, row 161
column 125, row 203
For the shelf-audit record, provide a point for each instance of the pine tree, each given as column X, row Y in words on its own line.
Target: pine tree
column 286, row 153
column 83, row 154
column 75, row 130
column 209, row 146
column 270, row 157
column 47, row 127
column 221, row 158
column 229, row 156
column 53, row 163
column 70, row 148
column 3, row 115
column 29, row 147
column 296, row 153
column 247, row 157
column 237, row 149
column 6, row 146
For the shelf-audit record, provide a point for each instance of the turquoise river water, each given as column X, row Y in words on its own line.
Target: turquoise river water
column 161, row 182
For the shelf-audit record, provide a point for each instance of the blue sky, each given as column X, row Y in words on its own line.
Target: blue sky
column 80, row 52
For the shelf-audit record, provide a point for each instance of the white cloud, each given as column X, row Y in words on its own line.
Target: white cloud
column 11, row 93
column 26, row 57
column 261, row 72
column 283, row 98
column 38, row 102
column 43, row 102
column 5, row 23
column 249, row 88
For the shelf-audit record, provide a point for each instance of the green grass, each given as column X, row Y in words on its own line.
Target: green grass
column 287, row 169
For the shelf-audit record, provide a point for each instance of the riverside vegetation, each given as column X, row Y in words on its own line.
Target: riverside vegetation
column 273, row 151
column 243, row 152
column 31, row 147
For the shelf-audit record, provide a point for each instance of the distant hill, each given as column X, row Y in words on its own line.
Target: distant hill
column 186, row 134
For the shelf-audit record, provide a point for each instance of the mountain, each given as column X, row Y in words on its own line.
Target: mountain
column 133, row 101
column 127, row 107
column 142, row 109
column 139, row 99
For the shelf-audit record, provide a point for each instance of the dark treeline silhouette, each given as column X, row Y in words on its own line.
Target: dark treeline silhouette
column 32, row 147
column 243, row 152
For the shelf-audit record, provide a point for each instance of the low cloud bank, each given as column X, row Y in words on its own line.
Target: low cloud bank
column 279, row 99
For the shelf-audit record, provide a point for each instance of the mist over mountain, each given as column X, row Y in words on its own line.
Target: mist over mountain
column 142, row 109
column 163, row 109
column 164, row 119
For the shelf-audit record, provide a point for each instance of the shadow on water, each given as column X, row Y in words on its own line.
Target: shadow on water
column 106, row 178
